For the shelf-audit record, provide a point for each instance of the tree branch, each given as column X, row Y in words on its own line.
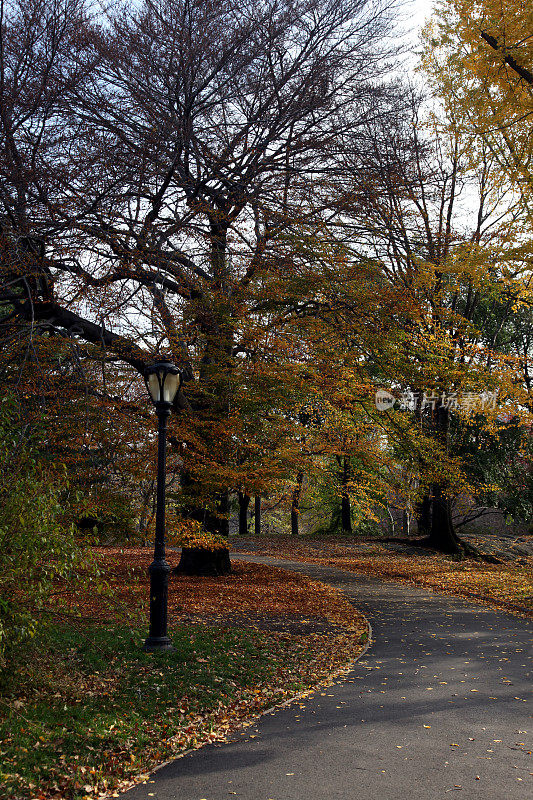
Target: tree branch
column 509, row 60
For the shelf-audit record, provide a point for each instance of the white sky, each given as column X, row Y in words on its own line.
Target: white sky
column 413, row 15
column 419, row 11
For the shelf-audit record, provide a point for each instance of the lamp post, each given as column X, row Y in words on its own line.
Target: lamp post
column 162, row 381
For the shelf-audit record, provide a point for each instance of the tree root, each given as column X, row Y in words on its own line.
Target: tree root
column 471, row 551
column 461, row 550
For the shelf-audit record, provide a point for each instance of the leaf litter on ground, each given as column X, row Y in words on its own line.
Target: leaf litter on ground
column 508, row 585
column 88, row 713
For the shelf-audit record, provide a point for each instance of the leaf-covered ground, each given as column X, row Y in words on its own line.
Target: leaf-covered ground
column 507, row 585
column 85, row 712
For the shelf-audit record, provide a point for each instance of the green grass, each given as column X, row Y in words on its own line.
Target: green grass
column 87, row 707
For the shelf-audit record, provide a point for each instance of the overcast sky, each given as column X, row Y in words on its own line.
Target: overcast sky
column 414, row 14
column 420, row 10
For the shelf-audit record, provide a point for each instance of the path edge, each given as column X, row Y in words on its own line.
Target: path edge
column 331, row 679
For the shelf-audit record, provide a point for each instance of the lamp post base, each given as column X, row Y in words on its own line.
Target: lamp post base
column 157, row 644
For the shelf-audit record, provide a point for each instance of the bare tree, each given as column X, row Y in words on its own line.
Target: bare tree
column 171, row 147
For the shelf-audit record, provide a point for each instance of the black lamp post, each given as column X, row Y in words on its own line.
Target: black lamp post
column 162, row 381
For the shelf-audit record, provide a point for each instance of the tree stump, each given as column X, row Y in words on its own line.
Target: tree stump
column 203, row 562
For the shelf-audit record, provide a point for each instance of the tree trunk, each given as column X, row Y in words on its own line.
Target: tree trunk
column 391, row 520
column 406, row 522
column 257, row 515
column 147, row 511
column 423, row 515
column 202, row 562
column 346, row 515
column 223, row 509
column 244, row 502
column 422, row 511
column 442, row 536
column 215, row 522
column 199, row 561
column 215, row 370
column 295, row 507
column 335, row 519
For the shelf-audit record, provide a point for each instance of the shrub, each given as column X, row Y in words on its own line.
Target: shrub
column 37, row 549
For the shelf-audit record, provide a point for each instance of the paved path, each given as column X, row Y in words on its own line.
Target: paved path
column 439, row 704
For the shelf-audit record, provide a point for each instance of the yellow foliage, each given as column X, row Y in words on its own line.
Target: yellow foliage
column 474, row 53
column 201, row 540
column 189, row 533
column 183, row 532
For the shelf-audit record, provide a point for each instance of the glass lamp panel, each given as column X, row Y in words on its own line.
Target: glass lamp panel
column 154, row 387
column 170, row 387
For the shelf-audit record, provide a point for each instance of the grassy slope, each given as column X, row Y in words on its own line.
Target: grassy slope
column 85, row 710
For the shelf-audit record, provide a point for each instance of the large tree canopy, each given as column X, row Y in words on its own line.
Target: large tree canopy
column 247, row 190
column 153, row 166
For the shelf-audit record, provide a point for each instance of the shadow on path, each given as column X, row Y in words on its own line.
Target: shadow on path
column 439, row 704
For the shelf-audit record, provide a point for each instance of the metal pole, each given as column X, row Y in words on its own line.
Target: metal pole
column 159, row 569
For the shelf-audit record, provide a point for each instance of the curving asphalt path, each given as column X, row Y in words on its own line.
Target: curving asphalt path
column 439, row 704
